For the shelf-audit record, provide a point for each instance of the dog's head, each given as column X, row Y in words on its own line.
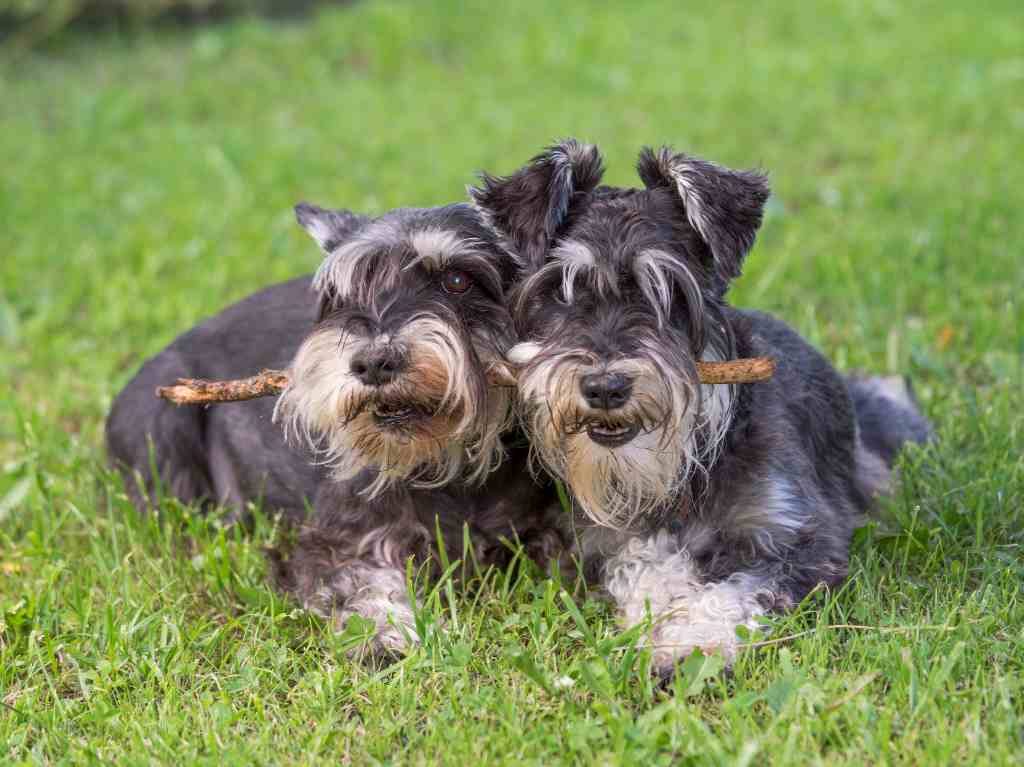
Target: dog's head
column 396, row 375
column 614, row 312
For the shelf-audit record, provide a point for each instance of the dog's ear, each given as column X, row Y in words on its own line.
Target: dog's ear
column 328, row 227
column 532, row 206
column 724, row 206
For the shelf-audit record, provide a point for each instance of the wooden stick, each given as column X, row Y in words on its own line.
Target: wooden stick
column 197, row 391
column 746, row 370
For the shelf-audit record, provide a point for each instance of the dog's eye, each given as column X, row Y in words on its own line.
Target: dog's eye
column 454, row 281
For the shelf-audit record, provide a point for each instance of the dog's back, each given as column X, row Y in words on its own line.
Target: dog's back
column 195, row 450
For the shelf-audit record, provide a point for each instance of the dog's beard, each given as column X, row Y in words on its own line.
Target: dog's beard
column 437, row 421
column 679, row 425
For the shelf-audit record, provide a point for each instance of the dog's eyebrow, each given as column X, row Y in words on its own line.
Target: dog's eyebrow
column 435, row 246
column 658, row 275
column 338, row 270
column 573, row 257
column 388, row 251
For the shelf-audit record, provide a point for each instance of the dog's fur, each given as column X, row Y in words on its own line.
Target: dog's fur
column 702, row 506
column 395, row 431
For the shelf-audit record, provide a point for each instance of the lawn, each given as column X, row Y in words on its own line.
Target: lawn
column 148, row 179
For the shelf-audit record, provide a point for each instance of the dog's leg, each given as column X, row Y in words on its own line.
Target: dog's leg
column 350, row 560
column 657, row 576
column 371, row 590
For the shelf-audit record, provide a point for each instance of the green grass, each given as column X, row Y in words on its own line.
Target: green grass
column 147, row 182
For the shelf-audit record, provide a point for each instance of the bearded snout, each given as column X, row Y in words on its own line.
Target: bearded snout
column 621, row 388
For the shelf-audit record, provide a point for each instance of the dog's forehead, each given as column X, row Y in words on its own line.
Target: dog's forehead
column 430, row 232
column 614, row 231
column 388, row 250
column 632, row 251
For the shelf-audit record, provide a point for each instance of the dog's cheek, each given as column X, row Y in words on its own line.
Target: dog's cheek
column 428, row 377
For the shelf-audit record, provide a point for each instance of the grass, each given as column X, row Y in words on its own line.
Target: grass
column 147, row 182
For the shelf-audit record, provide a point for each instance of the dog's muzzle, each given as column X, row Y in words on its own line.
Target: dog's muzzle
column 395, row 402
column 606, row 391
column 378, row 365
column 605, row 394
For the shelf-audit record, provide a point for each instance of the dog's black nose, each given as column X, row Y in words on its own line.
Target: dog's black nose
column 606, row 391
column 378, row 365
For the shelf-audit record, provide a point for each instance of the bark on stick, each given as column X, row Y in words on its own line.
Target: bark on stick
column 197, row 391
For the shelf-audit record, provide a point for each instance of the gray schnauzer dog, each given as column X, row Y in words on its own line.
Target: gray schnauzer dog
column 701, row 507
column 395, row 429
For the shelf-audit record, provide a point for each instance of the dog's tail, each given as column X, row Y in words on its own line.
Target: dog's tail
column 888, row 417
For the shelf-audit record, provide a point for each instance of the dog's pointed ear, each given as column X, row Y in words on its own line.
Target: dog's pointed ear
column 531, row 207
column 724, row 206
column 328, row 227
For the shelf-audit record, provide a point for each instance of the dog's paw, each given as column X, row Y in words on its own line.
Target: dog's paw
column 390, row 634
column 666, row 673
column 672, row 642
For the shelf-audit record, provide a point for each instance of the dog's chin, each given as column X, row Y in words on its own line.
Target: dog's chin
column 402, row 442
column 395, row 412
column 612, row 435
column 616, row 472
column 409, row 424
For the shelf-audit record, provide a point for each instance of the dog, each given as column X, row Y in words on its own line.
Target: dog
column 697, row 507
column 389, row 429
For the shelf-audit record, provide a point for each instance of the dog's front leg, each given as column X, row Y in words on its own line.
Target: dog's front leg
column 350, row 560
column 374, row 592
column 656, row 576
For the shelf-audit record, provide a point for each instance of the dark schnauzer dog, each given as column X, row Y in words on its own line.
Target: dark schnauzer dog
column 397, row 432
column 705, row 505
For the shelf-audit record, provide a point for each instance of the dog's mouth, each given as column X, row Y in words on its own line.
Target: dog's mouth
column 612, row 435
column 397, row 415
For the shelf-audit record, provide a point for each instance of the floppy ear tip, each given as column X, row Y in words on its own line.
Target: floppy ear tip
column 583, row 158
column 326, row 227
column 589, row 167
column 646, row 156
column 761, row 184
column 577, row 150
column 654, row 166
column 484, row 184
column 306, row 213
column 487, row 198
column 757, row 180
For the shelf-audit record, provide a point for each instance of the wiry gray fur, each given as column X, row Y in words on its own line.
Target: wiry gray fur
column 380, row 484
column 700, row 506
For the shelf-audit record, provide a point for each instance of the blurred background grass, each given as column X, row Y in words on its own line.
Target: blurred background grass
column 149, row 174
column 150, row 163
